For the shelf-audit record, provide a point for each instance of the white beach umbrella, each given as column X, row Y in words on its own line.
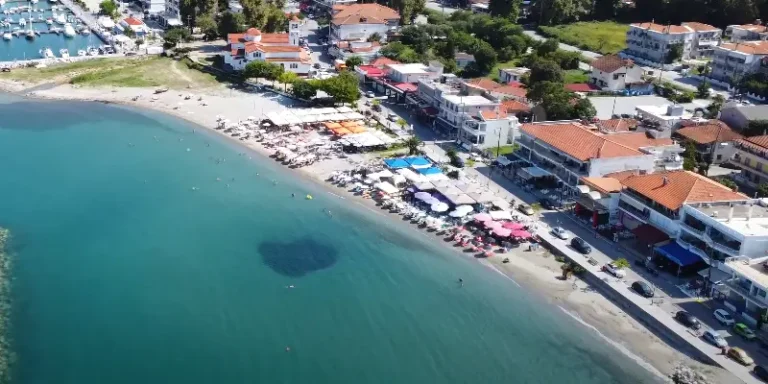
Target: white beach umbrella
column 439, row 207
column 422, row 195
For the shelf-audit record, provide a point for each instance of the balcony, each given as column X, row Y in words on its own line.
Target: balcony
column 642, row 215
column 692, row 230
column 673, row 215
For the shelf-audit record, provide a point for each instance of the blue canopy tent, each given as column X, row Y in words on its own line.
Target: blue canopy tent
column 683, row 258
column 418, row 162
column 429, row 171
column 396, row 163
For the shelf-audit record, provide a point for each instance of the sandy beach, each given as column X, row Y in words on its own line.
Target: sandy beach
column 534, row 271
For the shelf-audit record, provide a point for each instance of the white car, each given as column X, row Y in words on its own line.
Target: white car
column 724, row 317
column 560, row 233
column 613, row 270
column 370, row 94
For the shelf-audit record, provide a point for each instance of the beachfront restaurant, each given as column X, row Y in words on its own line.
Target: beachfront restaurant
column 301, row 116
column 677, row 260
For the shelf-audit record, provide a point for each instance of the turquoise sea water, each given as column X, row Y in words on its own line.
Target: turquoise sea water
column 124, row 274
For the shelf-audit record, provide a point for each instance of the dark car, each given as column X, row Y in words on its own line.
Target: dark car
column 688, row 320
column 580, row 245
column 548, row 204
column 761, row 372
column 642, row 288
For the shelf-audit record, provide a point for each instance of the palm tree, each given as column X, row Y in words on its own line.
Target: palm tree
column 402, row 123
column 621, row 263
column 413, row 143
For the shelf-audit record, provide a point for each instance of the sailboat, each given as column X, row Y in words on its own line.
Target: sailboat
column 7, row 35
column 31, row 30
column 69, row 31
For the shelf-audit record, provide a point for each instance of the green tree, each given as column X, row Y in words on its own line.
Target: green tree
column 675, row 53
column 353, row 62
column 402, row 123
column 208, row 26
column 713, row 109
column 605, row 9
column 108, row 8
column 413, row 144
column 303, row 89
column 689, row 157
column 174, row 36
column 286, row 78
column 231, row 23
column 756, row 128
column 583, row 109
column 762, row 190
column 728, row 183
column 374, row 37
column 621, row 263
column 273, row 72
column 702, row 90
column 509, row 9
column 258, row 69
column 343, row 88
column 485, row 58
column 762, row 318
column 548, row 47
column 545, row 70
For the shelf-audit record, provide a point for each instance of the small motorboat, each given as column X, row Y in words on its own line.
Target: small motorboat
column 69, row 31
column 49, row 21
column 82, row 52
column 7, row 35
column 93, row 51
column 64, row 53
column 47, row 53
column 34, row 1
column 22, row 22
column 61, row 18
column 30, row 34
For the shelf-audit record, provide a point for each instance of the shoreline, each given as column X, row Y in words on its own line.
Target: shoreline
column 533, row 273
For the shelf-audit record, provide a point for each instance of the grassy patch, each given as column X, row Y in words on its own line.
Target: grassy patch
column 122, row 72
column 502, row 150
column 605, row 37
column 576, row 76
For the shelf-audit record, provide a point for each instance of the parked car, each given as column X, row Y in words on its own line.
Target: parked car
column 742, row 330
column 614, row 270
column 526, row 209
column 688, row 320
column 560, row 233
column 643, row 288
column 393, row 117
column 714, row 338
column 761, row 372
column 580, row 245
column 724, row 317
column 740, row 356
column 370, row 94
column 547, row 203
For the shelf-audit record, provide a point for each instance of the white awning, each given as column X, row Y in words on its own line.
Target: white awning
column 387, row 188
column 500, row 215
column 583, row 188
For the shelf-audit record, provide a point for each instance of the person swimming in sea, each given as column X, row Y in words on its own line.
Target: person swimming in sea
column 461, row 282
column 293, row 195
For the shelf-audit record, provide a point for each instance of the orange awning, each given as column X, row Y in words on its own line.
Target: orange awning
column 332, row 125
column 341, row 131
column 357, row 129
column 348, row 124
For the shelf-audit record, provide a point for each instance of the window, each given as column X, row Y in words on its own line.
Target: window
column 294, row 66
column 719, row 157
column 759, row 166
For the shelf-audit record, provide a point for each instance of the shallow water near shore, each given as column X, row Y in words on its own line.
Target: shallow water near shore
column 124, row 273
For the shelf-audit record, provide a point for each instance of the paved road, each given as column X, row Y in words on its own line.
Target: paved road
column 669, row 298
column 433, row 5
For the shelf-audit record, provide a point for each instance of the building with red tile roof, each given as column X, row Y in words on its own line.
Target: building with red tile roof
column 751, row 156
column 514, row 107
column 713, row 139
column 279, row 48
column 357, row 22
column 611, row 72
column 673, row 189
column 616, row 125
column 652, row 42
column 572, row 150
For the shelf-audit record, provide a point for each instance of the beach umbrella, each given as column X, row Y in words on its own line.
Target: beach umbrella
column 483, row 217
column 521, row 234
column 457, row 213
column 513, row 226
column 439, row 207
column 490, row 224
column 465, row 208
column 502, row 232
column 422, row 195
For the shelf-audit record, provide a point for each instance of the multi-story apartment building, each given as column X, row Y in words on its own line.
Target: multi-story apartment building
column 658, row 199
column 661, row 120
column 360, row 21
column 732, row 61
column 752, row 157
column 653, row 42
column 488, row 129
column 746, row 32
column 431, row 92
column 456, row 109
column 570, row 150
column 714, row 140
column 280, row 48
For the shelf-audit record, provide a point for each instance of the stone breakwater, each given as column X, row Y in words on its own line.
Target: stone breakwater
column 5, row 309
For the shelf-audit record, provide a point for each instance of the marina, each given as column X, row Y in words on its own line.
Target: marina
column 43, row 30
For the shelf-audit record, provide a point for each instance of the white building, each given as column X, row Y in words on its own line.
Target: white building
column 732, row 61
column 278, row 48
column 360, row 21
column 366, row 50
column 235, row 7
column 658, row 199
column 137, row 26
column 456, row 109
column 611, row 72
column 746, row 32
column 570, row 150
column 154, row 7
column 661, row 120
column 431, row 92
column 488, row 129
column 509, row 75
column 752, row 158
column 653, row 42
column 413, row 72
